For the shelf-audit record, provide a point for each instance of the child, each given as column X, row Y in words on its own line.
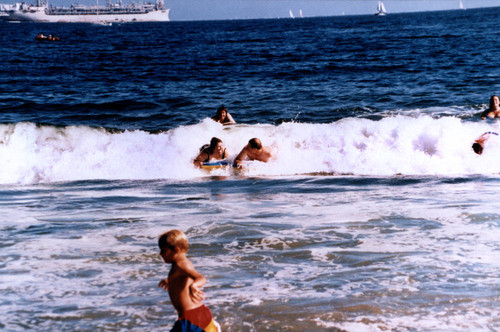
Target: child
column 183, row 285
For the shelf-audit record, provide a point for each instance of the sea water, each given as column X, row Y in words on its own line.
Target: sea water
column 374, row 213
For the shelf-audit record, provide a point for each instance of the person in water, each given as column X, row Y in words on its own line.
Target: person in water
column 213, row 151
column 184, row 285
column 223, row 116
column 478, row 145
column 494, row 110
column 253, row 151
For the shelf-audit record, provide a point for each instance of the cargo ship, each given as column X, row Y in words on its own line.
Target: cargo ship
column 111, row 13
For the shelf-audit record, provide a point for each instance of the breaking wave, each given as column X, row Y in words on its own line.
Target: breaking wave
column 405, row 145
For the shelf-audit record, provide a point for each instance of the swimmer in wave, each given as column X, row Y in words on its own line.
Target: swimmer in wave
column 223, row 116
column 479, row 143
column 494, row 110
column 213, row 151
column 253, row 151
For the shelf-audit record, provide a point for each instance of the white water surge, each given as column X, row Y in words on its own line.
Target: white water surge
column 393, row 145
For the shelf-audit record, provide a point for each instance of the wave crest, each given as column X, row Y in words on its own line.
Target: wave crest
column 392, row 145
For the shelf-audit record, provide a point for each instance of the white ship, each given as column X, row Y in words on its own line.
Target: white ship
column 4, row 8
column 111, row 13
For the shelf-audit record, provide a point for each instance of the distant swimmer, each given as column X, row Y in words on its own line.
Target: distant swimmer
column 213, row 151
column 478, row 145
column 223, row 116
column 253, row 151
column 494, row 110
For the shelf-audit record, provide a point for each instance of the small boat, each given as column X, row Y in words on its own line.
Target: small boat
column 291, row 14
column 461, row 5
column 104, row 23
column 380, row 9
column 42, row 37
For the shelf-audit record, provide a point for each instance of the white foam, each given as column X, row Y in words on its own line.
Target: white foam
column 393, row 145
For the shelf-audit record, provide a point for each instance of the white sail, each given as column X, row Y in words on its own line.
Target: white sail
column 380, row 9
column 300, row 13
column 291, row 14
column 461, row 5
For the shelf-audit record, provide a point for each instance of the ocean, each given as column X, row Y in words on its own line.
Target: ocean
column 374, row 213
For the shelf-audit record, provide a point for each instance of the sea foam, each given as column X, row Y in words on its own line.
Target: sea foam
column 394, row 145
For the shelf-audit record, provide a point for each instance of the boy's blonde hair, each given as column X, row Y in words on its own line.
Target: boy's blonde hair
column 174, row 239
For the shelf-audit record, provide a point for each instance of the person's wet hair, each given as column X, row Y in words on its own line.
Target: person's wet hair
column 213, row 143
column 478, row 148
column 492, row 98
column 220, row 109
column 255, row 143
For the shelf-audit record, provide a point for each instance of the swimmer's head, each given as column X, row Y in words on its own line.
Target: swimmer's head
column 213, row 143
column 494, row 101
column 478, row 148
column 255, row 143
column 221, row 112
column 173, row 239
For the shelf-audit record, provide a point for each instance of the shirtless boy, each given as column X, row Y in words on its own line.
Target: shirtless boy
column 253, row 151
column 184, row 285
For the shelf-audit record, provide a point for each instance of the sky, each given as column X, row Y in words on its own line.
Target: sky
column 187, row 10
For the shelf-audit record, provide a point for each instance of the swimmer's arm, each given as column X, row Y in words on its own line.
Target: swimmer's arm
column 486, row 114
column 483, row 138
column 230, row 118
column 240, row 157
column 198, row 279
column 199, row 160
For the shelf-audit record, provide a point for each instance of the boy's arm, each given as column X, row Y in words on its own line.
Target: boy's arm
column 198, row 279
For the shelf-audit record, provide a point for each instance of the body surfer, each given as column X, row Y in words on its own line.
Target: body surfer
column 479, row 143
column 223, row 116
column 494, row 110
column 213, row 151
column 253, row 151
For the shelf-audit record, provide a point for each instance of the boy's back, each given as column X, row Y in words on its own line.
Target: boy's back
column 179, row 283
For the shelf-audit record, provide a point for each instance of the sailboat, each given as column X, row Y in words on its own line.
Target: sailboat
column 380, row 9
column 300, row 13
column 291, row 14
column 461, row 5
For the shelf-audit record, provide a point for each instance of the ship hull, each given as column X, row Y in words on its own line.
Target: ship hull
column 38, row 14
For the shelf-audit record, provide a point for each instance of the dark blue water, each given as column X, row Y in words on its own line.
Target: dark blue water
column 159, row 76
